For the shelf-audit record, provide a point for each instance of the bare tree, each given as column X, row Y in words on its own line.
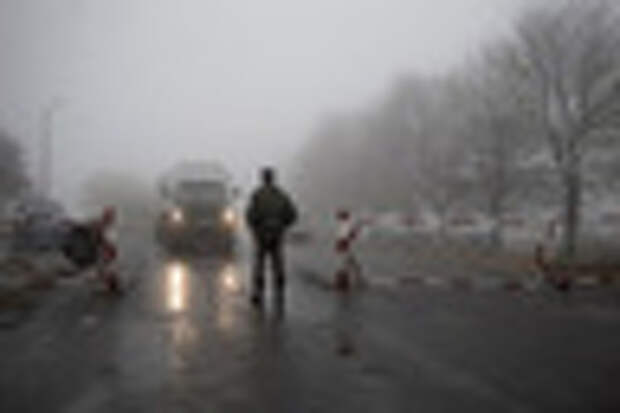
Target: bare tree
column 498, row 133
column 440, row 174
column 553, row 89
column 328, row 170
column 571, row 54
column 443, row 182
column 13, row 175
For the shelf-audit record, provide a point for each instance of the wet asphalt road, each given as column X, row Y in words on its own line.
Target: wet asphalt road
column 184, row 339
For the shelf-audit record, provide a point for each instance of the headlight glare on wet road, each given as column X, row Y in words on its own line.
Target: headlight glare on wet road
column 229, row 218
column 230, row 279
column 177, row 216
column 176, row 287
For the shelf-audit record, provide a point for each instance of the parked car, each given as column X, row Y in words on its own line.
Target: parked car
column 39, row 224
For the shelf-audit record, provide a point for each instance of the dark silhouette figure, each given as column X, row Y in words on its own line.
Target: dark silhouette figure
column 270, row 213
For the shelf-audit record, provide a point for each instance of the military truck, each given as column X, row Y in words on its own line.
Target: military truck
column 199, row 214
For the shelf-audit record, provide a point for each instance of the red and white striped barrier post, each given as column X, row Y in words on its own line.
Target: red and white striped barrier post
column 559, row 279
column 349, row 271
column 541, row 250
column 108, row 252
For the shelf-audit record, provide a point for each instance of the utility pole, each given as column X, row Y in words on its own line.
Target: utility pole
column 46, row 148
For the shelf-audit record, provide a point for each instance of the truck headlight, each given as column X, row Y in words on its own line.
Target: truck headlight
column 229, row 218
column 177, row 216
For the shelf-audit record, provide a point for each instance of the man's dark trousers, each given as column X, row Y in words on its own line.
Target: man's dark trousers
column 274, row 253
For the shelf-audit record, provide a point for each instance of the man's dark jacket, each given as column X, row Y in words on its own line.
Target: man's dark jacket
column 269, row 214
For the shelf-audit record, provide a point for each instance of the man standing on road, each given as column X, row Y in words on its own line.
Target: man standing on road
column 270, row 213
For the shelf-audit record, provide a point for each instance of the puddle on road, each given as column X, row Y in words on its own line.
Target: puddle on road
column 229, row 287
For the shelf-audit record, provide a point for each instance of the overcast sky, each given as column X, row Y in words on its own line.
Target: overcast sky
column 147, row 82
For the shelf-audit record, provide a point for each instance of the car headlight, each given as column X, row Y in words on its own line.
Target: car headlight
column 177, row 216
column 229, row 218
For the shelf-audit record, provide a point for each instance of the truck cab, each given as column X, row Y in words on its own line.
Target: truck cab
column 199, row 213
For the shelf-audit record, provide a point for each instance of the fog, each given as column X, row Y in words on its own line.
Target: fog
column 443, row 232
column 137, row 85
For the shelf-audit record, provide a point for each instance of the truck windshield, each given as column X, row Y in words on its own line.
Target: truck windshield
column 202, row 191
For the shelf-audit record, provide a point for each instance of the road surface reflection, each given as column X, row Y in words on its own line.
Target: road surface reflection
column 229, row 278
column 192, row 286
column 177, row 280
column 227, row 294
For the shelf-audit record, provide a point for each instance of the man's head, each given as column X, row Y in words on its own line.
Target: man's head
column 268, row 175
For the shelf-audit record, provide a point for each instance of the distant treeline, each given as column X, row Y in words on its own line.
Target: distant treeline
column 530, row 124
